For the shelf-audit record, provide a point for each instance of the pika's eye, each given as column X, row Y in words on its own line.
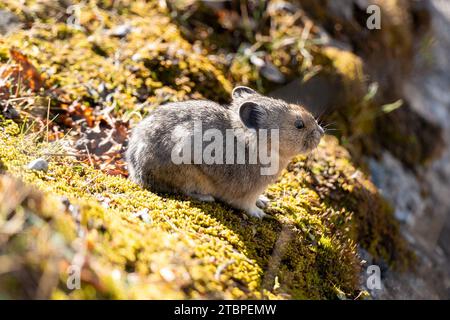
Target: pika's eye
column 299, row 124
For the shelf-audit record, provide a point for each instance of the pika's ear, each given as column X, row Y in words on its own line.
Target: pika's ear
column 252, row 115
column 241, row 91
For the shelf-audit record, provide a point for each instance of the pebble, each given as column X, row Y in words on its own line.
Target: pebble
column 10, row 113
column 121, row 31
column 9, row 22
column 143, row 215
column 38, row 165
column 271, row 72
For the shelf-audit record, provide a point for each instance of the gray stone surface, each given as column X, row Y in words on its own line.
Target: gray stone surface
column 38, row 165
column 422, row 200
column 8, row 22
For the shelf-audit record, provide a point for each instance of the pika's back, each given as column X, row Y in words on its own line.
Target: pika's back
column 164, row 119
column 153, row 139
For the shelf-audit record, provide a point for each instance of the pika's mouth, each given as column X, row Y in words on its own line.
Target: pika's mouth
column 312, row 141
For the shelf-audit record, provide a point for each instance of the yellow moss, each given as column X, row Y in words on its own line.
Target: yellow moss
column 155, row 64
column 188, row 249
column 346, row 63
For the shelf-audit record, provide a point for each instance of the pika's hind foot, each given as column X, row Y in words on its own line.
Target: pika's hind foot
column 262, row 202
column 202, row 197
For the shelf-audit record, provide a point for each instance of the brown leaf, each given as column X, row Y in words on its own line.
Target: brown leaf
column 30, row 75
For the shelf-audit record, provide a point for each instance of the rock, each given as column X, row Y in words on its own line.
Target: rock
column 121, row 31
column 38, row 165
column 410, row 137
column 421, row 196
column 143, row 215
column 257, row 61
column 318, row 94
column 8, row 22
column 267, row 69
column 10, row 112
column 271, row 72
column 398, row 185
column 280, row 6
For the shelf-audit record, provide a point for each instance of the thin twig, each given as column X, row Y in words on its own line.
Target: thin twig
column 89, row 156
column 48, row 118
column 65, row 155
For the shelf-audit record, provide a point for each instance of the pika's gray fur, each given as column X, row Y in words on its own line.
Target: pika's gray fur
column 152, row 142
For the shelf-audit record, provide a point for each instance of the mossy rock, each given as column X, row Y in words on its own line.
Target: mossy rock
column 132, row 243
column 412, row 139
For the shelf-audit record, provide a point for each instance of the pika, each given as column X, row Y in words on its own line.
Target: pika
column 214, row 152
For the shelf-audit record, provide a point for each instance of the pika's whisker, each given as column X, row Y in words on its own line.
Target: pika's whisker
column 321, row 113
column 329, row 124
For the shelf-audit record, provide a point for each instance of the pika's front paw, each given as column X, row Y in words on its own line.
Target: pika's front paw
column 256, row 212
column 262, row 202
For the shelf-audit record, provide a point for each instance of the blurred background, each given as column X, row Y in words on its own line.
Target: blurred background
column 381, row 87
